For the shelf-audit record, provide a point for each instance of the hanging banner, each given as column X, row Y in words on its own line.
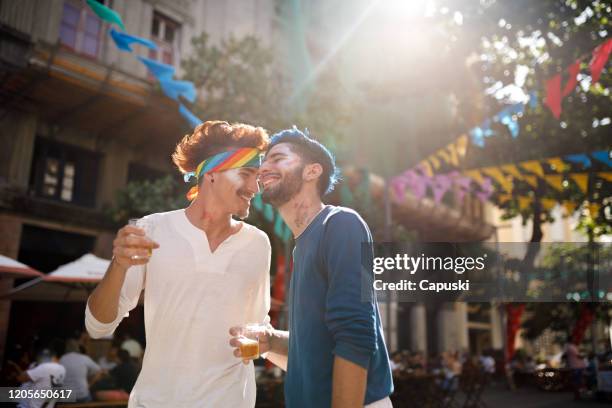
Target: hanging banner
column 582, row 180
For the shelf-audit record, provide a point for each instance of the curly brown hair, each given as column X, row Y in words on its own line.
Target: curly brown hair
column 213, row 137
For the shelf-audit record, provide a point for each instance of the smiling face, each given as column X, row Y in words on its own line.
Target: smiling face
column 235, row 188
column 281, row 175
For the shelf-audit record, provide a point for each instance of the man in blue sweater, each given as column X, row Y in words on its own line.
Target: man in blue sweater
column 334, row 352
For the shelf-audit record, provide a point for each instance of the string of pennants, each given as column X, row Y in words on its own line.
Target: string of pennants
column 480, row 181
column 176, row 90
column 172, row 88
column 452, row 153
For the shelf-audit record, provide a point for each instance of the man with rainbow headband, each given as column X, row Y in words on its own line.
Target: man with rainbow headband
column 202, row 271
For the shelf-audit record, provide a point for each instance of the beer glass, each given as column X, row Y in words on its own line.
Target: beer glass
column 249, row 340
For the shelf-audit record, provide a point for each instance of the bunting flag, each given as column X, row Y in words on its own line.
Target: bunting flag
column 158, row 69
column 548, row 203
column 603, row 156
column 268, row 212
column 573, row 71
column 123, row 41
column 582, row 180
column 557, row 164
column 524, row 202
column 475, row 175
column 553, row 95
column 193, row 120
column 278, row 225
column 435, row 162
column 594, row 209
column 600, row 57
column 461, row 145
column 107, row 14
column 444, row 155
column 569, row 206
column 486, row 190
column 257, row 202
column 531, row 180
column 555, row 180
column 498, row 176
column 426, row 168
column 440, row 186
column 579, row 159
column 502, row 198
column 533, row 166
column 512, row 170
column 453, row 155
column 605, row 176
column 173, row 89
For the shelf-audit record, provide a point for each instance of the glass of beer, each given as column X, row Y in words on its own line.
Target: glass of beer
column 249, row 340
column 144, row 225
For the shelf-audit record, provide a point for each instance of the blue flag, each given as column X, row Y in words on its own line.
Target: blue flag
column 191, row 118
column 580, row 159
column 158, row 69
column 603, row 156
column 124, row 40
column 173, row 88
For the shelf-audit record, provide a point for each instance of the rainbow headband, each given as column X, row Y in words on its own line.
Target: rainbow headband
column 230, row 159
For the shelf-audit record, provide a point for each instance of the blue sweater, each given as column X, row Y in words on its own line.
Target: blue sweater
column 329, row 315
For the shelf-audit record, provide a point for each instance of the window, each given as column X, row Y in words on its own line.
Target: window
column 80, row 29
column 165, row 32
column 139, row 172
column 64, row 173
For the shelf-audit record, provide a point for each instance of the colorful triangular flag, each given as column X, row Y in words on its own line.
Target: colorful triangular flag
column 582, row 180
column 124, row 41
column 572, row 79
column 557, row 164
column 553, row 95
column 599, row 60
column 524, row 202
column 606, row 176
column 158, row 69
column 193, row 120
column 533, row 166
column 512, row 170
column 107, row 14
column 475, row 175
column 555, row 180
column 498, row 176
column 531, row 180
column 603, row 156
column 579, row 159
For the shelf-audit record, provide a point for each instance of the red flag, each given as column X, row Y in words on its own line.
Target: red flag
column 572, row 79
column 584, row 321
column 600, row 57
column 513, row 324
column 553, row 95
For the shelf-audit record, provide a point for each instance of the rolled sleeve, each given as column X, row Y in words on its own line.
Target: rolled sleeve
column 350, row 319
column 128, row 299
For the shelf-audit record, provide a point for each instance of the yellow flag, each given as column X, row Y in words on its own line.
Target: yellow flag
column 558, row 165
column 475, row 175
column 434, row 160
column 594, row 209
column 570, row 207
column 582, row 180
column 453, row 155
column 533, row 166
column 462, row 144
column 605, row 176
column 498, row 176
column 555, row 180
column 443, row 154
column 426, row 168
column 548, row 203
column 524, row 202
column 531, row 180
column 512, row 170
column 502, row 198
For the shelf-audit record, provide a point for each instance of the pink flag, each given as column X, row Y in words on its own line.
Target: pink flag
column 486, row 190
column 600, row 57
column 440, row 184
column 553, row 95
column 572, row 78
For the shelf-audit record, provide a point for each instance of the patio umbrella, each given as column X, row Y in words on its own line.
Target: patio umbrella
column 72, row 282
column 11, row 268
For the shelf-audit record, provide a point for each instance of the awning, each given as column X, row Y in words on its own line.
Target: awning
column 15, row 269
column 72, row 282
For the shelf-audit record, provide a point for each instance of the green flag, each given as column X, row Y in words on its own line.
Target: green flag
column 106, row 13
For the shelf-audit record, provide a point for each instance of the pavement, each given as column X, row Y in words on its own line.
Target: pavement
column 499, row 396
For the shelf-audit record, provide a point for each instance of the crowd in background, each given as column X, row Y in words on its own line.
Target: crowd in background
column 70, row 363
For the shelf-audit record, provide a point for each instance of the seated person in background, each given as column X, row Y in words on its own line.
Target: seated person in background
column 126, row 372
column 47, row 374
column 110, row 360
column 81, row 371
